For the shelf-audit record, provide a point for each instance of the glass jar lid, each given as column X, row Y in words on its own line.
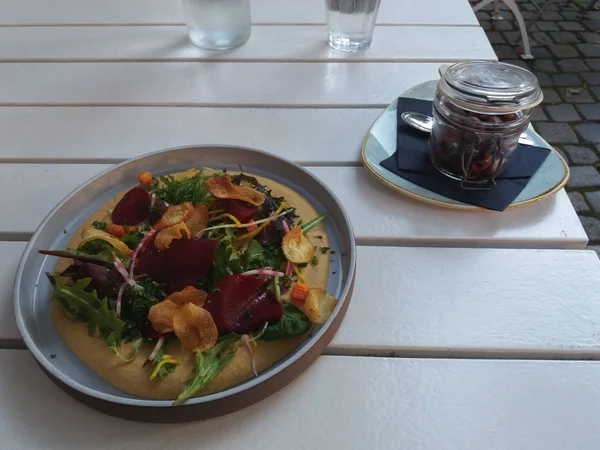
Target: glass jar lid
column 490, row 86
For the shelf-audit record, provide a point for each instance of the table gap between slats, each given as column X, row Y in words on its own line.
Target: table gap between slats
column 149, row 12
column 254, row 24
column 400, row 220
column 271, row 44
column 445, row 303
column 207, row 105
column 290, row 84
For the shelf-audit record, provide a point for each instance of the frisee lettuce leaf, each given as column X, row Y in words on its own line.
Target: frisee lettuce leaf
column 175, row 191
column 226, row 261
column 81, row 305
column 208, row 365
column 135, row 348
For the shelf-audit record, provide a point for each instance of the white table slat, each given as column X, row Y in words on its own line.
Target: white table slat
column 221, row 84
column 10, row 254
column 36, row 12
column 270, row 43
column 379, row 215
column 449, row 302
column 481, row 302
column 112, row 134
column 340, row 402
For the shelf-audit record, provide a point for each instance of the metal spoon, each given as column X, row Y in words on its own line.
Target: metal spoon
column 424, row 123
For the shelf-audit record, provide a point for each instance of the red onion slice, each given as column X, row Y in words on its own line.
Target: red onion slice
column 137, row 250
column 264, row 271
column 119, row 300
column 156, row 349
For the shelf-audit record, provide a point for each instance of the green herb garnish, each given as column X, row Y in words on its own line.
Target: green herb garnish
column 286, row 282
column 132, row 239
column 324, row 250
column 100, row 225
column 139, row 301
column 191, row 189
column 277, row 289
column 314, row 261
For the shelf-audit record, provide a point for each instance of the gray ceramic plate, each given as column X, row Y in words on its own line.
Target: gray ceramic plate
column 380, row 143
column 32, row 290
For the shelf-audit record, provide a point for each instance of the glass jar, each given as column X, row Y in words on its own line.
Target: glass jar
column 218, row 24
column 480, row 110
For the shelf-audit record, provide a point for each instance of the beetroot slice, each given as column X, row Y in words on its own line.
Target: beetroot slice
column 239, row 209
column 133, row 208
column 242, row 303
column 184, row 263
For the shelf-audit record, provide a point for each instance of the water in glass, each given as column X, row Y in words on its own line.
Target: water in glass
column 218, row 24
column 350, row 23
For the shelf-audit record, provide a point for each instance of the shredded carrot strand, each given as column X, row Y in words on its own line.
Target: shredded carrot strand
column 237, row 223
column 301, row 276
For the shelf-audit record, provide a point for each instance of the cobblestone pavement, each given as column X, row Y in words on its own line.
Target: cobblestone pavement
column 567, row 64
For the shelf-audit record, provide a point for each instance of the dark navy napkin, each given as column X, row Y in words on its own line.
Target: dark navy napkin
column 411, row 162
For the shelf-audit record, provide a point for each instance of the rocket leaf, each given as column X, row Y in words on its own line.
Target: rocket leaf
column 208, row 365
column 79, row 304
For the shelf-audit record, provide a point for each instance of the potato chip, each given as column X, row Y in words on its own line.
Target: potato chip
column 161, row 316
column 188, row 295
column 173, row 215
column 163, row 238
column 296, row 247
column 92, row 234
column 195, row 327
column 198, row 220
column 221, row 187
column 319, row 305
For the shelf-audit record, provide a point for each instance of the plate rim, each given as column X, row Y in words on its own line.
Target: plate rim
column 328, row 329
column 459, row 206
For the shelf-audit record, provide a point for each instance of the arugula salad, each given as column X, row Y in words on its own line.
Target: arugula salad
column 210, row 260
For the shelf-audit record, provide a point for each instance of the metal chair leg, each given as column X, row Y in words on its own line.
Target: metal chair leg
column 518, row 17
column 496, row 15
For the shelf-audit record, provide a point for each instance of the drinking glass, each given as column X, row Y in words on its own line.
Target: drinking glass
column 350, row 23
column 218, row 24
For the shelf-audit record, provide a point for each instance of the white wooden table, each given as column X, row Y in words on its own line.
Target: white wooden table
column 467, row 330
